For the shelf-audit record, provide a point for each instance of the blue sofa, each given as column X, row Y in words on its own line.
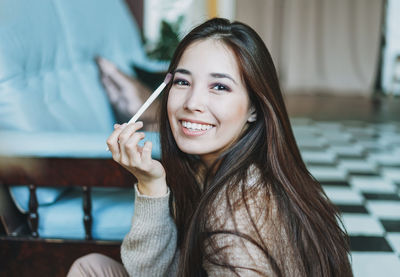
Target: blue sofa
column 53, row 105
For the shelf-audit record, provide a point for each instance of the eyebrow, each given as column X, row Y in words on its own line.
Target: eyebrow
column 222, row 75
column 183, row 71
column 214, row 75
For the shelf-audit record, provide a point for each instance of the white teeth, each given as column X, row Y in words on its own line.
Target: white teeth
column 196, row 126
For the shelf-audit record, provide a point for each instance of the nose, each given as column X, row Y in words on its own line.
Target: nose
column 195, row 100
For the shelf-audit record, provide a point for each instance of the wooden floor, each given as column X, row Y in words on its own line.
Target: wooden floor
column 330, row 107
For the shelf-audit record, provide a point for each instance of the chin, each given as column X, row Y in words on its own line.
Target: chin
column 193, row 148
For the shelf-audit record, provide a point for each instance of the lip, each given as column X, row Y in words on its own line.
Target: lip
column 194, row 133
column 195, row 121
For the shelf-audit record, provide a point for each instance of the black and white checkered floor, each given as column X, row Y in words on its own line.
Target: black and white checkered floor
column 358, row 165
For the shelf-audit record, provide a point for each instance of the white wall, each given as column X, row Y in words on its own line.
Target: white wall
column 392, row 48
column 319, row 46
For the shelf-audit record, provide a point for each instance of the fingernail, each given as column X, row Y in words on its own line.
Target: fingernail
column 140, row 123
column 116, row 126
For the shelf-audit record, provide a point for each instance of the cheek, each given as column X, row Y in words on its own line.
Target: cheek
column 174, row 104
column 233, row 112
column 169, row 110
column 171, row 105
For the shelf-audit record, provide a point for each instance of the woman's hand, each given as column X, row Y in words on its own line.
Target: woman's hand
column 123, row 144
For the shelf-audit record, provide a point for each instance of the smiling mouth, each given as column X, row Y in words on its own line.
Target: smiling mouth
column 196, row 126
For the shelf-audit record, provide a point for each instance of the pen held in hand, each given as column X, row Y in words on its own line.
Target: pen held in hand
column 150, row 100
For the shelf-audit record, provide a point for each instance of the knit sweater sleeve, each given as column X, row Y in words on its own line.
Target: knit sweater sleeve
column 150, row 247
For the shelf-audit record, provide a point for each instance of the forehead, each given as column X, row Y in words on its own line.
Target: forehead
column 210, row 55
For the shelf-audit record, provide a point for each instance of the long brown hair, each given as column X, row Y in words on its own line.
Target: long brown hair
column 269, row 145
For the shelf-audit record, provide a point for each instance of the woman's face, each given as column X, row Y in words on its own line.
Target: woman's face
column 208, row 104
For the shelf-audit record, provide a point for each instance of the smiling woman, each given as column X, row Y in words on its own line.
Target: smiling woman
column 207, row 109
column 232, row 194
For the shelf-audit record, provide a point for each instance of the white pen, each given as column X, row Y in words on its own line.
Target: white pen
column 150, row 100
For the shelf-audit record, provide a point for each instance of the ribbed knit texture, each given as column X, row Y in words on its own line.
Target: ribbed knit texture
column 150, row 246
column 149, row 249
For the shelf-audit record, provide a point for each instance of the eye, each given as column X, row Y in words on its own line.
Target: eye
column 220, row 87
column 181, row 82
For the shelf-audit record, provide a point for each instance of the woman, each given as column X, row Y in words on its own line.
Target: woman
column 231, row 194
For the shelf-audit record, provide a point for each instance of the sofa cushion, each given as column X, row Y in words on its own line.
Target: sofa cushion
column 58, row 144
column 41, row 86
column 64, row 144
column 112, row 211
column 48, row 77
column 45, row 196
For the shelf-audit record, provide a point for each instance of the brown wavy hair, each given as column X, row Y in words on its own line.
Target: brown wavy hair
column 310, row 219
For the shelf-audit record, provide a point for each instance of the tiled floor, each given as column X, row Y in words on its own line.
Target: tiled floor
column 358, row 165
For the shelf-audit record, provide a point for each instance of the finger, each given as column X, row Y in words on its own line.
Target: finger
column 112, row 141
column 129, row 130
column 146, row 153
column 133, row 150
column 125, row 135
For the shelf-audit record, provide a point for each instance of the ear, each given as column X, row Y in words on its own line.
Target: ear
column 253, row 115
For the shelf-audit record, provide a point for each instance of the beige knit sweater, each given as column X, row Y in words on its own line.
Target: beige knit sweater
column 149, row 249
